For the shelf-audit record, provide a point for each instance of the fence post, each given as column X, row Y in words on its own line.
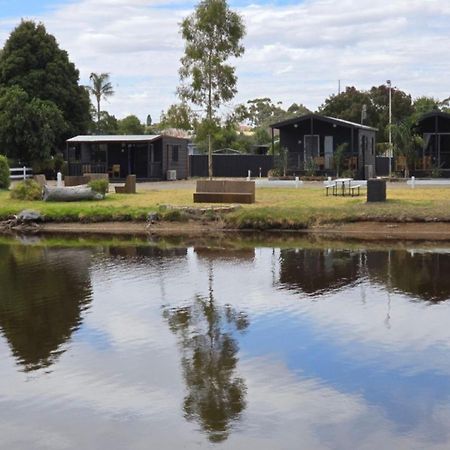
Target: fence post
column 249, row 175
column 24, row 173
column 413, row 182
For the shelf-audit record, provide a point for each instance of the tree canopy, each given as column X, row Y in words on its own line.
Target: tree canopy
column 29, row 127
column 212, row 34
column 178, row 116
column 101, row 88
column 31, row 59
column 130, row 125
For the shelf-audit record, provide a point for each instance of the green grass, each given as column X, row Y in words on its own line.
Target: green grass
column 275, row 207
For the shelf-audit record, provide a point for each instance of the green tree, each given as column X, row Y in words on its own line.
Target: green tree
column 5, row 180
column 423, row 105
column 101, row 89
column 298, row 110
column 30, row 129
column 212, row 34
column 108, row 124
column 406, row 142
column 348, row 106
column 130, row 125
column 402, row 108
column 31, row 59
column 178, row 116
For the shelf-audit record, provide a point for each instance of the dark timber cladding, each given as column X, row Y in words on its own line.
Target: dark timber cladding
column 149, row 157
column 434, row 127
column 311, row 142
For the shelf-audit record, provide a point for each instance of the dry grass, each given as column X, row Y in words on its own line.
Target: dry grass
column 275, row 207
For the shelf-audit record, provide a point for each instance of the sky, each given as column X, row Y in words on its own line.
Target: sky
column 296, row 51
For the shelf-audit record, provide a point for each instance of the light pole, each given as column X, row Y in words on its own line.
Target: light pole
column 389, row 85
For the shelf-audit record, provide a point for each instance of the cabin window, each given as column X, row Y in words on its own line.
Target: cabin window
column 75, row 153
column 99, row 153
column 175, row 153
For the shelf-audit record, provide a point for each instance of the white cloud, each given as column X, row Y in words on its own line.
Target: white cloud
column 295, row 52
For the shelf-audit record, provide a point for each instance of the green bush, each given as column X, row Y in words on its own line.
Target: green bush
column 100, row 186
column 4, row 173
column 27, row 190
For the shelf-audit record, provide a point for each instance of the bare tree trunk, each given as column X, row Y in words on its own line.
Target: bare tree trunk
column 210, row 165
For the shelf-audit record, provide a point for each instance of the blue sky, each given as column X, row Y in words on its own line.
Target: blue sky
column 295, row 51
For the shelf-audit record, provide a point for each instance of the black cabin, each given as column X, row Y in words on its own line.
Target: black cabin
column 149, row 157
column 434, row 127
column 312, row 140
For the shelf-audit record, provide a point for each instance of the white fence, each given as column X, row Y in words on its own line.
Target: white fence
column 20, row 173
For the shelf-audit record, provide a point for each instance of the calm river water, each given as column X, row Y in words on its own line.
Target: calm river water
column 137, row 346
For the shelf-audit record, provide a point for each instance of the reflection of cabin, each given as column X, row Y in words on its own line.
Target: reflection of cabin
column 423, row 275
column 146, row 156
column 317, row 271
column 312, row 140
column 434, row 127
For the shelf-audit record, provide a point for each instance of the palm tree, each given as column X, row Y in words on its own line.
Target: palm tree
column 101, row 88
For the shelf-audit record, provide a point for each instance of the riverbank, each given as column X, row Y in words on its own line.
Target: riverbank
column 422, row 212
column 367, row 231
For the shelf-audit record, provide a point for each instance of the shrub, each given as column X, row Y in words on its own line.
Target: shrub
column 27, row 190
column 100, row 186
column 4, row 173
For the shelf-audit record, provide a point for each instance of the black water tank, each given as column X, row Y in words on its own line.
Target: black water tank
column 376, row 190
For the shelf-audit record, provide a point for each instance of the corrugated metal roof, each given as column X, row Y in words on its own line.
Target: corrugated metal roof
column 115, row 138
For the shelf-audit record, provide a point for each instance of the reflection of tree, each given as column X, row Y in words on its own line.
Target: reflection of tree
column 216, row 397
column 42, row 294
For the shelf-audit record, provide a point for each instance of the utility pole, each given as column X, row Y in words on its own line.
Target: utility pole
column 339, row 87
column 389, row 85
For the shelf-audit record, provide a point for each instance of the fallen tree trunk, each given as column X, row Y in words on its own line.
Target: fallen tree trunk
column 70, row 194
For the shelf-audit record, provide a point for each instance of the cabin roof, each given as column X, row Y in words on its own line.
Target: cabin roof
column 115, row 138
column 434, row 114
column 334, row 120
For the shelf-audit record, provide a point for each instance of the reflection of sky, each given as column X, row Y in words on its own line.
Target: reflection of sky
column 329, row 369
column 405, row 399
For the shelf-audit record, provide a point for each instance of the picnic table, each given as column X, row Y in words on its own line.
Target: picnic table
column 339, row 186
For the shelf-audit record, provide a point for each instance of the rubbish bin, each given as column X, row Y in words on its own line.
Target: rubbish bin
column 376, row 190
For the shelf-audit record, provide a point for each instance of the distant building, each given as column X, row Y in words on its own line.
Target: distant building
column 311, row 141
column 434, row 127
column 149, row 157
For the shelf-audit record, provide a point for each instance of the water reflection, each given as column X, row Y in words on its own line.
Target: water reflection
column 315, row 272
column 42, row 296
column 424, row 275
column 216, row 395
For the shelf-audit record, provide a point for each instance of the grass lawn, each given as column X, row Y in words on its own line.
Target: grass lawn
column 275, row 208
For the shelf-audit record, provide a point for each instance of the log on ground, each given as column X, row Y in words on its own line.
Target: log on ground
column 70, row 194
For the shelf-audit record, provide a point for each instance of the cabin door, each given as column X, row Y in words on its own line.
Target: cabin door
column 328, row 151
column 312, row 149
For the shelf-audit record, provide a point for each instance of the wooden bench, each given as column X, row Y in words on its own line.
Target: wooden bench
column 224, row 191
